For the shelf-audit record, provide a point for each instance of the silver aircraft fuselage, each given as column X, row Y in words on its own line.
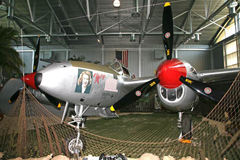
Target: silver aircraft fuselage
column 106, row 85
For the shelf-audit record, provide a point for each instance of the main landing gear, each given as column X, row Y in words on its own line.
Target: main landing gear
column 185, row 125
column 76, row 143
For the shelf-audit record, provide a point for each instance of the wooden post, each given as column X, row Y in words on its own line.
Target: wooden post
column 22, row 136
column 57, row 141
column 66, row 149
column 48, row 135
column 38, row 138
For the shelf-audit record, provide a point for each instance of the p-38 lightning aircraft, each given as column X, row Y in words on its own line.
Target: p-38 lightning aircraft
column 99, row 90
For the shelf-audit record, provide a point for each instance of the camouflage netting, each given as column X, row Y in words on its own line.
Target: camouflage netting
column 30, row 130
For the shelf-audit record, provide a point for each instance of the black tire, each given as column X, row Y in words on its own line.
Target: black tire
column 186, row 126
column 70, row 144
column 102, row 156
column 122, row 156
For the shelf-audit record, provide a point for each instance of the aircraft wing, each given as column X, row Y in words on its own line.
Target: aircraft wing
column 50, row 60
column 221, row 78
column 218, row 75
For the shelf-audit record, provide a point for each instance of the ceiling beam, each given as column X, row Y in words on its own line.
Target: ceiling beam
column 30, row 10
column 206, row 18
column 183, row 26
column 226, row 22
column 113, row 25
column 66, row 15
column 89, row 22
column 141, row 37
column 12, row 19
column 53, row 12
column 103, row 34
column 219, row 31
column 173, row 25
column 143, row 18
column 33, row 43
column 201, row 25
column 123, row 24
column 33, row 24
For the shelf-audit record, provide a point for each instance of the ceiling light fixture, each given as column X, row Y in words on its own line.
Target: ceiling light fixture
column 116, row 3
column 132, row 38
column 197, row 37
column 48, row 39
column 232, row 8
column 120, row 35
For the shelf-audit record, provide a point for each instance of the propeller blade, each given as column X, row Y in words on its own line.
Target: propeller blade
column 167, row 29
column 203, row 88
column 36, row 55
column 14, row 96
column 136, row 94
column 53, row 100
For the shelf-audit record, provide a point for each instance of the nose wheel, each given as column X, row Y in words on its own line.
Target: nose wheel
column 76, row 144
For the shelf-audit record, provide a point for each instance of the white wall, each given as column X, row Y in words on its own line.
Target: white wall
column 197, row 55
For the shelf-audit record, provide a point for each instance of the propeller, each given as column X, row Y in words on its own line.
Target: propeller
column 167, row 29
column 203, row 88
column 30, row 79
column 36, row 55
column 136, row 93
column 172, row 72
column 14, row 97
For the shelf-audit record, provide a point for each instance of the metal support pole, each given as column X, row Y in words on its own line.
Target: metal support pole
column 148, row 8
column 10, row 12
column 103, row 57
column 88, row 12
column 30, row 10
column 140, row 59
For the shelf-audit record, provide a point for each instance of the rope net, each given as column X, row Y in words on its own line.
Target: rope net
column 30, row 130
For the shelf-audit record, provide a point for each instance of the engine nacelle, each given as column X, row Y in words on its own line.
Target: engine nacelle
column 173, row 94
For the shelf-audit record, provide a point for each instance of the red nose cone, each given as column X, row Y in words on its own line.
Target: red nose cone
column 169, row 73
column 29, row 80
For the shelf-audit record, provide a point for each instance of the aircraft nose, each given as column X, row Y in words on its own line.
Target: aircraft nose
column 38, row 79
column 29, row 80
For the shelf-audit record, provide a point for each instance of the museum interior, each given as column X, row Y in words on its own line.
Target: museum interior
column 120, row 79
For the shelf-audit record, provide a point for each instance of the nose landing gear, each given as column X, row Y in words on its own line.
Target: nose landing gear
column 76, row 143
column 185, row 124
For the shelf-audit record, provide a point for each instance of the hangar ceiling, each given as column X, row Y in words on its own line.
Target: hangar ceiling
column 81, row 22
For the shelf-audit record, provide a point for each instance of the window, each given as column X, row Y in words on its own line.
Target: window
column 231, row 52
column 230, row 30
column 231, row 55
column 163, row 92
column 172, row 94
column 125, row 71
column 116, row 66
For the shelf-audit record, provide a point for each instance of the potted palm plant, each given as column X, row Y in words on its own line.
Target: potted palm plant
column 10, row 60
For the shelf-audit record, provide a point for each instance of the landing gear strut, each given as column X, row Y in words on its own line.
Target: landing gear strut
column 185, row 124
column 76, row 145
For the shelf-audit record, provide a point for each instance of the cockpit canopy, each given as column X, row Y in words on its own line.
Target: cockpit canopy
column 120, row 68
